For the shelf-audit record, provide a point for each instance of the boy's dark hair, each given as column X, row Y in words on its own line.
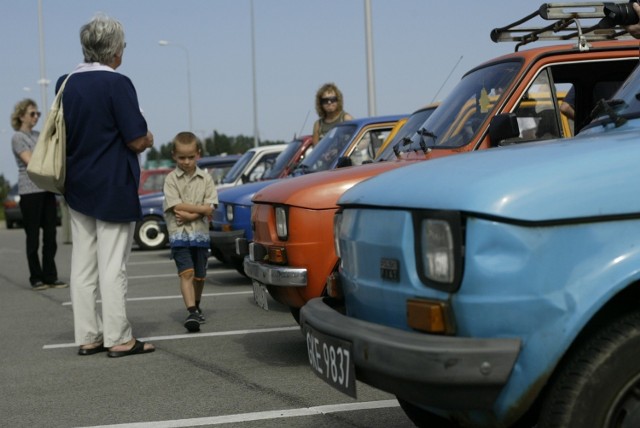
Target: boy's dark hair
column 186, row 138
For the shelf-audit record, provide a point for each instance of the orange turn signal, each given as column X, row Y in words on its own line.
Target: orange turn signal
column 430, row 316
column 278, row 255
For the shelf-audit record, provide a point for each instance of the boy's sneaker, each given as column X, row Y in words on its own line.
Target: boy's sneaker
column 201, row 317
column 192, row 323
column 39, row 286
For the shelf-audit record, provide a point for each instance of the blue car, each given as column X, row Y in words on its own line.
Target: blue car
column 349, row 143
column 151, row 231
column 497, row 287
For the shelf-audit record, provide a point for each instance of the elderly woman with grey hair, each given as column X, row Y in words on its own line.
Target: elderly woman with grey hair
column 105, row 133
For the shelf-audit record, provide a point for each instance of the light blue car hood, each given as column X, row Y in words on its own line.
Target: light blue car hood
column 593, row 175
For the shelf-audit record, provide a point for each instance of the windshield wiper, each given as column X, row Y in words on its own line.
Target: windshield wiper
column 404, row 141
column 301, row 169
column 423, row 132
column 608, row 107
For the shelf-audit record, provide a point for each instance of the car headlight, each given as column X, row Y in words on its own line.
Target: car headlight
column 282, row 229
column 440, row 250
column 229, row 208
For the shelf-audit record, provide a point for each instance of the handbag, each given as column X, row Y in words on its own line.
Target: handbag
column 47, row 167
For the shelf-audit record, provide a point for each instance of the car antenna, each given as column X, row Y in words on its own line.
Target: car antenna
column 445, row 80
column 305, row 121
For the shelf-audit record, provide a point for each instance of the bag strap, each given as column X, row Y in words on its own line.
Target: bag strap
column 58, row 99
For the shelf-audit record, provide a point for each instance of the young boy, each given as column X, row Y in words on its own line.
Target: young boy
column 189, row 199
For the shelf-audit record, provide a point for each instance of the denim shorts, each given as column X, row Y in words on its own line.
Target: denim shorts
column 188, row 258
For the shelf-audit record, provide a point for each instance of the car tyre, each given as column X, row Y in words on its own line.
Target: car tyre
column 599, row 383
column 150, row 233
column 238, row 264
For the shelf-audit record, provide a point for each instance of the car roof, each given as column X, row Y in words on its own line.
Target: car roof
column 374, row 119
column 218, row 159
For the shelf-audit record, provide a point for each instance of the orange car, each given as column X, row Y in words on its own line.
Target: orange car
column 511, row 99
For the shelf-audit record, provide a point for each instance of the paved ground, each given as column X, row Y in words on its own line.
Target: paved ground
column 246, row 368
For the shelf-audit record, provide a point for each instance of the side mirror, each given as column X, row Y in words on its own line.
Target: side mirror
column 503, row 127
column 343, row 161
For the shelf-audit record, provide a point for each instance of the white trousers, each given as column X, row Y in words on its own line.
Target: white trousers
column 98, row 261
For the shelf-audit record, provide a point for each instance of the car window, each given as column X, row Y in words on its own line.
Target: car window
column 403, row 137
column 368, row 146
column 283, row 160
column 238, row 167
column 537, row 112
column 326, row 152
column 261, row 168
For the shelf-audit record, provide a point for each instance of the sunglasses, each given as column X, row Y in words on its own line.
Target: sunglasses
column 35, row 113
column 329, row 100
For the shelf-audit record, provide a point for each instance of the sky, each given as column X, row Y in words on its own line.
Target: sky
column 421, row 49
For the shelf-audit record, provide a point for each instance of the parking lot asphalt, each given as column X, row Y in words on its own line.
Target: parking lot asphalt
column 246, row 367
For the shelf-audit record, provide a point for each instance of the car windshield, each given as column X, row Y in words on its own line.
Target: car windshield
column 325, row 155
column 402, row 139
column 624, row 104
column 238, row 167
column 455, row 122
column 282, row 160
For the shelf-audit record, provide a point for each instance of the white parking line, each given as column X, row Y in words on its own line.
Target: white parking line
column 177, row 296
column 193, row 336
column 260, row 416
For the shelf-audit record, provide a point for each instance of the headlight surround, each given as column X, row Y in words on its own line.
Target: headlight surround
column 229, row 212
column 282, row 228
column 337, row 222
column 439, row 249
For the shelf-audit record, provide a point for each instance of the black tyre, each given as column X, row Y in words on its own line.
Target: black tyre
column 296, row 314
column 239, row 265
column 215, row 252
column 423, row 418
column 150, row 233
column 10, row 224
column 599, row 384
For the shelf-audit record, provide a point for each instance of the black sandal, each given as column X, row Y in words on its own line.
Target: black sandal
column 91, row 351
column 137, row 348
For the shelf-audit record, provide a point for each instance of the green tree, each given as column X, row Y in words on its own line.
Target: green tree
column 216, row 144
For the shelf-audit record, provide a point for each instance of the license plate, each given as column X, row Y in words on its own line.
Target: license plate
column 260, row 295
column 330, row 359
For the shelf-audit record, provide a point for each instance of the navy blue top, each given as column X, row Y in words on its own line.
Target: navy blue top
column 102, row 115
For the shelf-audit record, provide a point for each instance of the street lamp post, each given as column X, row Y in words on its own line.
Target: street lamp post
column 186, row 51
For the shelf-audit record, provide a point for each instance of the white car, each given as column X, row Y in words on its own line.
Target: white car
column 252, row 165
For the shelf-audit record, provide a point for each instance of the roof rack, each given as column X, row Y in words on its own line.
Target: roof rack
column 570, row 20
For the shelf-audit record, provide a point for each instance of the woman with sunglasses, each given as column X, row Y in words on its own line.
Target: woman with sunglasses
column 38, row 207
column 329, row 105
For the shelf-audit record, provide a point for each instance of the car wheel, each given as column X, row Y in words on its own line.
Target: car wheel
column 215, row 252
column 423, row 418
column 296, row 314
column 10, row 224
column 599, row 384
column 238, row 264
column 150, row 234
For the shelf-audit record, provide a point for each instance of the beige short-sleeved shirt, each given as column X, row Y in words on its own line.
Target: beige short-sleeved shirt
column 197, row 189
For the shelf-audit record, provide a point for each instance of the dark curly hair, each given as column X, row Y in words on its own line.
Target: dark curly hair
column 324, row 88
